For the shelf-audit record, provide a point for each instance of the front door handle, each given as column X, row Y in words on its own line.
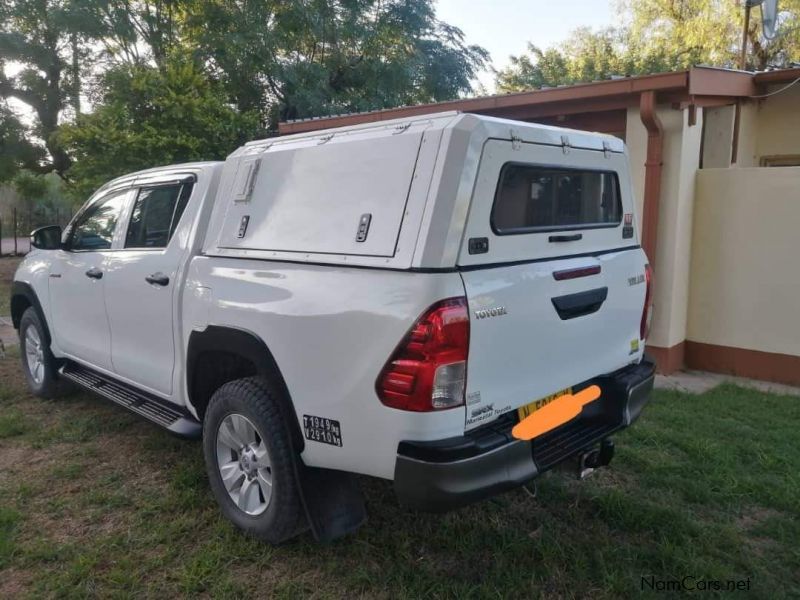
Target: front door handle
column 157, row 279
column 94, row 273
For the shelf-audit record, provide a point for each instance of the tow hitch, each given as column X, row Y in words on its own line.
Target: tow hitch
column 594, row 459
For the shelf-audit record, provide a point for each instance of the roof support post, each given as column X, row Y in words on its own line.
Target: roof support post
column 652, row 172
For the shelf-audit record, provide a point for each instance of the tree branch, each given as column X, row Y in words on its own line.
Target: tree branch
column 8, row 90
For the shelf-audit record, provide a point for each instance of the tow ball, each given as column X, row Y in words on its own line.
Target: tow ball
column 594, row 459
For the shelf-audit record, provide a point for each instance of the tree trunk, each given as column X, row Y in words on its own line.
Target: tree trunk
column 76, row 74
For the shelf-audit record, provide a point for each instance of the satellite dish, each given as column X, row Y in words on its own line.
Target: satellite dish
column 769, row 18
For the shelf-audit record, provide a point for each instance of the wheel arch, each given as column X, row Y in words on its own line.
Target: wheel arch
column 23, row 297
column 221, row 354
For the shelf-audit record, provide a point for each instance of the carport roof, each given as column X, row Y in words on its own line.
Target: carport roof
column 699, row 86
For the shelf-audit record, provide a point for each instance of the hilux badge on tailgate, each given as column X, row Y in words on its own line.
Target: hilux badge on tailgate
column 636, row 280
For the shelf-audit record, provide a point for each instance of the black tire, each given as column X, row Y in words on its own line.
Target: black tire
column 256, row 399
column 46, row 383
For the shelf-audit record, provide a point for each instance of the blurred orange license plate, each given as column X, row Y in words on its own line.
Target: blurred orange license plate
column 529, row 409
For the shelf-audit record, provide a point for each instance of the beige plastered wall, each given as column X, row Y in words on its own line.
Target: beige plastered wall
column 768, row 127
column 745, row 268
column 676, row 209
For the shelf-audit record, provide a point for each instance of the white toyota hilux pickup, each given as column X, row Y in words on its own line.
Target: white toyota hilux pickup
column 388, row 299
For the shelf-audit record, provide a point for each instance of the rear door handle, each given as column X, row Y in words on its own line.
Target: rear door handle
column 94, row 273
column 565, row 238
column 157, row 279
column 580, row 304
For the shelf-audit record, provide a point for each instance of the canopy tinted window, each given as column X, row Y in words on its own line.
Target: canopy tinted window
column 532, row 198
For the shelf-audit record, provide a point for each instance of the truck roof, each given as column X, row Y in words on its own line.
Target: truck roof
column 494, row 126
column 145, row 174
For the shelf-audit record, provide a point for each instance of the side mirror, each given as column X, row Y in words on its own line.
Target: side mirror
column 47, row 238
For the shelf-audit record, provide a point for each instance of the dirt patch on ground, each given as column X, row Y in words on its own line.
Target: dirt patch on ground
column 75, row 493
column 11, row 460
column 11, row 374
column 7, row 268
column 13, row 583
column 755, row 517
column 21, row 463
column 8, row 335
column 749, row 522
column 10, row 456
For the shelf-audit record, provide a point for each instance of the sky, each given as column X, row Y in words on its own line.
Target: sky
column 504, row 27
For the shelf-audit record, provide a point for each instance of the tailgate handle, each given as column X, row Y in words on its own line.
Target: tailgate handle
column 580, row 304
column 566, row 238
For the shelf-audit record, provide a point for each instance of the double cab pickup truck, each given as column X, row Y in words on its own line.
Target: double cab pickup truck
column 390, row 299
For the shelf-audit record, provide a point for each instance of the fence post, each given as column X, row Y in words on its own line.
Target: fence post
column 15, row 231
column 1, row 238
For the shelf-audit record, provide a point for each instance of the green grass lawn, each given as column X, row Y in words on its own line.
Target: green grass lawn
column 94, row 501
column 7, row 267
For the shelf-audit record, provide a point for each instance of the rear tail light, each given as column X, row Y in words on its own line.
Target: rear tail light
column 647, row 311
column 428, row 370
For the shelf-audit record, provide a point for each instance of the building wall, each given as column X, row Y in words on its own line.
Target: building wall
column 745, row 286
column 778, row 123
column 718, row 137
column 681, row 159
column 636, row 140
column 769, row 127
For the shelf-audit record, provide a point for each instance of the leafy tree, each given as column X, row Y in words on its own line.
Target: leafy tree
column 153, row 116
column 280, row 58
column 16, row 151
column 587, row 56
column 299, row 58
column 29, row 186
column 136, row 32
column 34, row 200
column 657, row 35
column 45, row 37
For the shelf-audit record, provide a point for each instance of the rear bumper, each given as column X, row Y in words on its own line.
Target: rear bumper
column 446, row 474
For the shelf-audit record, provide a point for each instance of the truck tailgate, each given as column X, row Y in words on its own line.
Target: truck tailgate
column 553, row 272
column 532, row 335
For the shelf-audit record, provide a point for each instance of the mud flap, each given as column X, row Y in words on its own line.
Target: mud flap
column 332, row 500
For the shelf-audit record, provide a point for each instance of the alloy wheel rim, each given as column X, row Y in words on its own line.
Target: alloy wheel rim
column 244, row 464
column 34, row 355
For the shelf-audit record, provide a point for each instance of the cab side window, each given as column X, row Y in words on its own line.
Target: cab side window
column 156, row 214
column 94, row 229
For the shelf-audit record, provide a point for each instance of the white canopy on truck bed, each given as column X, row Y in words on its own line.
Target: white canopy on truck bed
column 394, row 194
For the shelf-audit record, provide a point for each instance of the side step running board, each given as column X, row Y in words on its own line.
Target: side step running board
column 160, row 412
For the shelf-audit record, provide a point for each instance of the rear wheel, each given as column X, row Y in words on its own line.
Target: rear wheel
column 249, row 461
column 38, row 363
column 244, row 464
